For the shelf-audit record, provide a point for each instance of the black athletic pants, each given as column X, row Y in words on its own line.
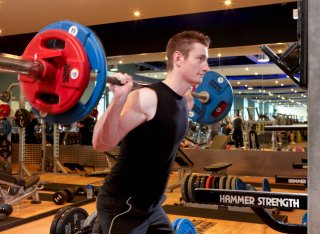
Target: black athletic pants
column 237, row 137
column 120, row 215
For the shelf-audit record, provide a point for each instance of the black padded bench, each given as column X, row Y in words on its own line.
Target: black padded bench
column 219, row 168
column 24, row 188
column 31, row 180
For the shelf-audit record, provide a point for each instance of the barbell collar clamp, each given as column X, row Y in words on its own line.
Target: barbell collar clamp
column 14, row 64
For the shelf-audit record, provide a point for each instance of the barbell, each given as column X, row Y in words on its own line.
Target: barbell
column 55, row 69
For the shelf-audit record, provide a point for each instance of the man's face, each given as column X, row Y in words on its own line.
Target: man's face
column 196, row 65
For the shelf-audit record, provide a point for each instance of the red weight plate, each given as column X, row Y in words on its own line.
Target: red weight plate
column 209, row 181
column 5, row 110
column 66, row 72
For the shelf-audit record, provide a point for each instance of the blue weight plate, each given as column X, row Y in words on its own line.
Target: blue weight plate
column 98, row 63
column 305, row 218
column 185, row 226
column 250, row 187
column 220, row 102
column 5, row 127
column 266, row 185
column 240, row 185
column 175, row 223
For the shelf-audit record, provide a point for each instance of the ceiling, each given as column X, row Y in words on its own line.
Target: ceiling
column 237, row 32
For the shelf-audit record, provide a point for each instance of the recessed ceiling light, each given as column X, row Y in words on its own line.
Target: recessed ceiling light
column 262, row 58
column 238, row 82
column 136, row 13
column 247, row 69
column 256, row 73
column 227, row 2
column 219, row 55
column 282, row 84
column 120, row 61
column 276, row 82
column 0, row 31
column 279, row 51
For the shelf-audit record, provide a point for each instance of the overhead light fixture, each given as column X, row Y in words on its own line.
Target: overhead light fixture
column 227, row 2
column 295, row 14
column 262, row 58
column 114, row 68
column 136, row 13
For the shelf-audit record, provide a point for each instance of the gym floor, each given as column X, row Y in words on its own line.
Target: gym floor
column 209, row 225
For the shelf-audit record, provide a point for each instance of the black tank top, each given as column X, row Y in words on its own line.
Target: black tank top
column 147, row 153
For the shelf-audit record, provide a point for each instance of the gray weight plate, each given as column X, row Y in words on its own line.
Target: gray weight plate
column 55, row 220
column 228, row 182
column 216, row 182
column 71, row 221
column 184, row 188
column 191, row 182
column 195, row 185
column 233, row 183
column 222, row 182
column 203, row 181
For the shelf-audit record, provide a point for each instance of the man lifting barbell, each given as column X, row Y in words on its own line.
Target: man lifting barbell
column 150, row 123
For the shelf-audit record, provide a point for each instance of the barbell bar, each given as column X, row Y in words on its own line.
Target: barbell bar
column 35, row 69
column 65, row 56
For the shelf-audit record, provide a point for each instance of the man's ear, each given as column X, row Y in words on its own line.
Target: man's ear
column 177, row 58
